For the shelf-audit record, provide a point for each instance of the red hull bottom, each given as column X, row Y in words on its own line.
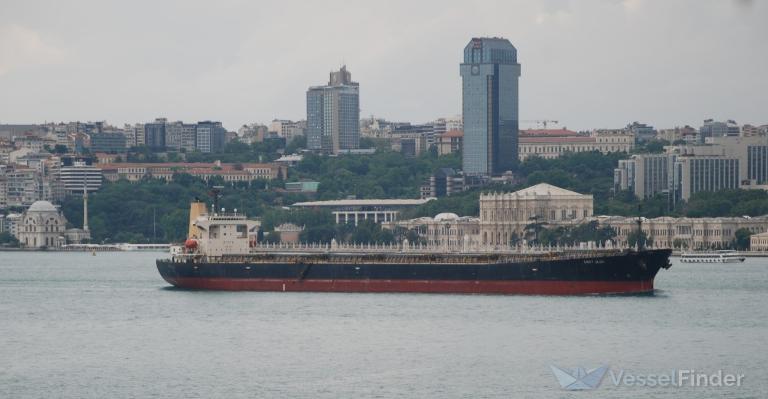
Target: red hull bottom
column 526, row 287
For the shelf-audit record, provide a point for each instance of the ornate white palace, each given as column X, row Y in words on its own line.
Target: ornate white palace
column 505, row 215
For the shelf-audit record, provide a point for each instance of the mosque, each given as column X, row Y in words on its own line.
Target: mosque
column 43, row 225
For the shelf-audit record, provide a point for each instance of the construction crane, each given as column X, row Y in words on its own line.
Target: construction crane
column 540, row 122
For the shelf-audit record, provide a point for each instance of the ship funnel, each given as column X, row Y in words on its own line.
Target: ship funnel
column 196, row 209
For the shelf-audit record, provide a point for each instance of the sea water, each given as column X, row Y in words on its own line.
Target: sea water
column 74, row 325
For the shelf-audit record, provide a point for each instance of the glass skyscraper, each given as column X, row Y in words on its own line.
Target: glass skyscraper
column 333, row 114
column 489, row 76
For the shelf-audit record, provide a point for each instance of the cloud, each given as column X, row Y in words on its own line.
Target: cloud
column 21, row 47
column 586, row 63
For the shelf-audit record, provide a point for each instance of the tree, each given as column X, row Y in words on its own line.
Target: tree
column 298, row 143
column 655, row 146
column 741, row 240
column 679, row 243
column 531, row 232
column 634, row 237
column 514, row 239
column 8, row 240
column 271, row 238
column 574, row 235
column 727, row 203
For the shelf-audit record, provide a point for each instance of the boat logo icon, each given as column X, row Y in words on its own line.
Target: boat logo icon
column 579, row 379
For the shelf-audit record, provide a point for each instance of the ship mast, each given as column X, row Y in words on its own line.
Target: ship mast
column 216, row 194
column 640, row 241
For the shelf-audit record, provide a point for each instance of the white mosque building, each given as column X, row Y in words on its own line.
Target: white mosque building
column 43, row 225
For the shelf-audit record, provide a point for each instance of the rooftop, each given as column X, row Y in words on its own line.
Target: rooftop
column 182, row 165
column 365, row 202
column 539, row 190
column 42, row 206
column 548, row 132
column 453, row 133
column 556, row 140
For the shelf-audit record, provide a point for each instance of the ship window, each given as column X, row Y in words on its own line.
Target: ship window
column 242, row 231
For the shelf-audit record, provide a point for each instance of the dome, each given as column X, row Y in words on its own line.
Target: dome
column 42, row 206
column 446, row 216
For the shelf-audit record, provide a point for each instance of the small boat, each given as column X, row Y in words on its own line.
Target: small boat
column 726, row 256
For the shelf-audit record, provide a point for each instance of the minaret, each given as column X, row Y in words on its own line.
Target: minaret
column 85, row 207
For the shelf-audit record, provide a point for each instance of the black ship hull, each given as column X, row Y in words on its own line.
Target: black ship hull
column 628, row 272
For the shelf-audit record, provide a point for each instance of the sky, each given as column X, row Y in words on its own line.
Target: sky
column 587, row 63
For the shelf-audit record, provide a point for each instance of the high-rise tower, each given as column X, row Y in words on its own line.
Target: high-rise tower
column 489, row 76
column 333, row 114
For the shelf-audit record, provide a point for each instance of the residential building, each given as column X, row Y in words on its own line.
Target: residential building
column 641, row 131
column 424, row 132
column 751, row 130
column 188, row 137
column 253, row 133
column 139, row 135
column 79, row 175
column 443, row 125
column 288, row 129
column 705, row 173
column 210, row 136
column 712, row 128
column 130, row 135
column 173, row 135
column 746, row 157
column 8, row 130
column 333, row 114
column 686, row 133
column 108, row 142
column 645, row 174
column 410, row 145
column 444, row 182
column 103, row 157
column 553, row 143
column 450, row 142
column 23, row 186
column 724, row 163
column 12, row 222
column 154, row 134
column 489, row 74
column 246, row 172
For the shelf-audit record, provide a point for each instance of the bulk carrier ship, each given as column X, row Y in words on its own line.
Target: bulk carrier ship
column 219, row 255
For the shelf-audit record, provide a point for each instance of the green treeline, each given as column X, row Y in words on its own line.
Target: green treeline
column 155, row 211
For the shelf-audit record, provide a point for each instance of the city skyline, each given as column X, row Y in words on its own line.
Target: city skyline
column 582, row 59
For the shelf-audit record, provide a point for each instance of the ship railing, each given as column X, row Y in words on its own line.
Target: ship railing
column 420, row 248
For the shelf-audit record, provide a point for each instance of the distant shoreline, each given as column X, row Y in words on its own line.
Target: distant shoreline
column 96, row 248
